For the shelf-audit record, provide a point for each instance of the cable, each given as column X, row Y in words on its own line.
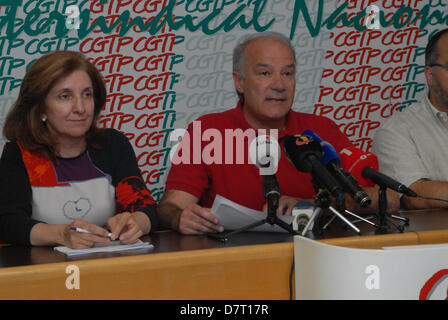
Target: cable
column 290, row 278
column 434, row 199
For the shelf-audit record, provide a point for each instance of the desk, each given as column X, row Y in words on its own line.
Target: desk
column 249, row 266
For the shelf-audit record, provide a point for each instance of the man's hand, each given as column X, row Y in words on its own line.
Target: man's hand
column 286, row 204
column 179, row 210
column 195, row 219
column 427, row 188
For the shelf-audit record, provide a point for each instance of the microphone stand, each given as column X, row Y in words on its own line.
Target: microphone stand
column 270, row 183
column 385, row 216
column 272, row 195
column 323, row 202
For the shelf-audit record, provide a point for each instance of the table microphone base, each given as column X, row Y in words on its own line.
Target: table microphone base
column 384, row 217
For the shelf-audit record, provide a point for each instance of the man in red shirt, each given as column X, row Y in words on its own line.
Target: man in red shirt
column 264, row 70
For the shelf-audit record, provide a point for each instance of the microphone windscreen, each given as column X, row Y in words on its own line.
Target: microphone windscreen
column 298, row 148
column 329, row 154
column 354, row 160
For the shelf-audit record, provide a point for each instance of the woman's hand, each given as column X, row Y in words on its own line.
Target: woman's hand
column 80, row 240
column 128, row 227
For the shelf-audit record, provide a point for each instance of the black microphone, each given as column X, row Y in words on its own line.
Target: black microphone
column 305, row 154
column 351, row 186
column 271, row 191
column 385, row 181
column 332, row 161
column 264, row 152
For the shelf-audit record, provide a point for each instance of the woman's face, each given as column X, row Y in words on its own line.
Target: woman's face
column 70, row 107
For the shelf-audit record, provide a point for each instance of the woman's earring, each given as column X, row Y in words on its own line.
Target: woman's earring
column 44, row 120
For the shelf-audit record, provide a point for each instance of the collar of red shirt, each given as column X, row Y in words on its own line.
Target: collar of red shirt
column 245, row 125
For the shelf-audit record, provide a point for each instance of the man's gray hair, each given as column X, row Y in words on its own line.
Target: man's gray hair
column 238, row 51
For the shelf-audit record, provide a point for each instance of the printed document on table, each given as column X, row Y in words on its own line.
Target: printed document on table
column 233, row 216
column 113, row 246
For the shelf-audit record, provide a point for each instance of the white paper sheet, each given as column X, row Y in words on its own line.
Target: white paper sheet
column 113, row 246
column 233, row 216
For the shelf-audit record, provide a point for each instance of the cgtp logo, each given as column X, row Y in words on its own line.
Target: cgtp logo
column 436, row 286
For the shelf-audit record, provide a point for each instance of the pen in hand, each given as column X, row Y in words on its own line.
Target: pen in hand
column 86, row 231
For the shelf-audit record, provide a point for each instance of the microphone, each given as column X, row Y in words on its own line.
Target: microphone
column 302, row 213
column 332, row 161
column 305, row 154
column 365, row 164
column 264, row 152
column 386, row 181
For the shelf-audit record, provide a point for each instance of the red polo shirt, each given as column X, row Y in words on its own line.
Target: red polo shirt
column 242, row 182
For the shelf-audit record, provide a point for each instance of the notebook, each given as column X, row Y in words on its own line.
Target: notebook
column 113, row 246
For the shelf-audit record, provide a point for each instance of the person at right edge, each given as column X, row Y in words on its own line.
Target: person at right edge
column 412, row 145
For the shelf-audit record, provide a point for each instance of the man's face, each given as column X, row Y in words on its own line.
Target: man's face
column 268, row 83
column 437, row 77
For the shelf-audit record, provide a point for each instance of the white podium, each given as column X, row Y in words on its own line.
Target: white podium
column 325, row 271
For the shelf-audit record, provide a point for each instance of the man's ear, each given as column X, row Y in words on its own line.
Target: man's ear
column 239, row 81
column 428, row 75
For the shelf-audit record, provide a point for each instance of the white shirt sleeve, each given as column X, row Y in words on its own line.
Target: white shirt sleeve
column 397, row 153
